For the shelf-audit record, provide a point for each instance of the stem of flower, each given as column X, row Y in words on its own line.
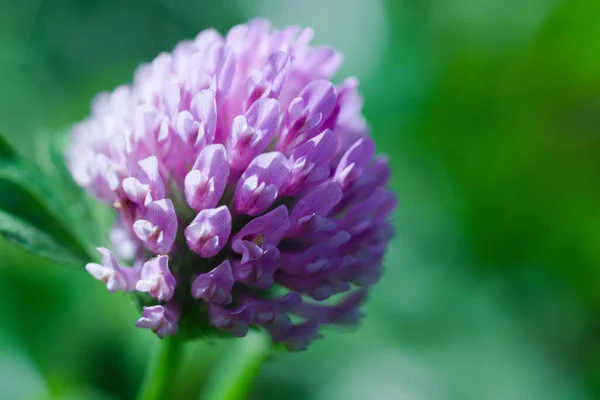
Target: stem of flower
column 236, row 373
column 162, row 370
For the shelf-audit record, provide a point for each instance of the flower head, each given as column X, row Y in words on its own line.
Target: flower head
column 246, row 186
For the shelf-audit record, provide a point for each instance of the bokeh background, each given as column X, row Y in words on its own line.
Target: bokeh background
column 490, row 112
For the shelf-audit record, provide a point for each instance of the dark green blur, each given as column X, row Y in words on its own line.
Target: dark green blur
column 490, row 114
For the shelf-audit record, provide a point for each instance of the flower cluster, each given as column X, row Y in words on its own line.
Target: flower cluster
column 246, row 184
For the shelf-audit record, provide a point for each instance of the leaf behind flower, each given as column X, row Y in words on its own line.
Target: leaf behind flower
column 40, row 213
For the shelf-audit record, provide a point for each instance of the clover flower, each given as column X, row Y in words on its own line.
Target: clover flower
column 246, row 184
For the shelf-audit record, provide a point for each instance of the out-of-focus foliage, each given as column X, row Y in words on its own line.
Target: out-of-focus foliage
column 41, row 206
column 489, row 111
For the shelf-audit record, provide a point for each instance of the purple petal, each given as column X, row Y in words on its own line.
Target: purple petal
column 344, row 312
column 307, row 113
column 298, row 337
column 226, row 71
column 325, row 60
column 157, row 231
column 318, row 150
column 354, row 161
column 111, row 273
column 205, row 183
column 215, row 286
column 135, row 191
column 319, row 97
column 310, row 162
column 209, row 231
column 187, row 127
column 318, row 287
column 375, row 175
column 269, row 81
column 172, row 99
column 145, row 122
column 236, row 321
column 321, row 257
column 204, row 110
column 208, row 37
column 266, row 311
column 269, row 229
column 157, row 279
column 162, row 320
column 257, row 265
column 375, row 208
column 151, row 177
column 252, row 132
column 309, row 212
column 260, row 184
column 277, row 70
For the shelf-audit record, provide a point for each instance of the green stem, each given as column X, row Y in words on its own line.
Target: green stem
column 236, row 373
column 162, row 370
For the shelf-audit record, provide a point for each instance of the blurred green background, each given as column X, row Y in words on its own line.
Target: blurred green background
column 490, row 112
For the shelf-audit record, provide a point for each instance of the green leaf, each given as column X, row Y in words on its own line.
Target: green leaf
column 38, row 203
column 49, row 156
column 35, row 241
column 6, row 149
